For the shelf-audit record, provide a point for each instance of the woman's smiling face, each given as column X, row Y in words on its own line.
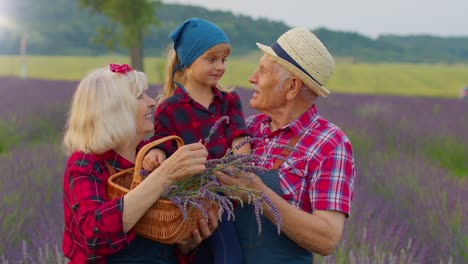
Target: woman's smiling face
column 144, row 120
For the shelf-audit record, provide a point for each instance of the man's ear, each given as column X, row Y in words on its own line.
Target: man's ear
column 294, row 86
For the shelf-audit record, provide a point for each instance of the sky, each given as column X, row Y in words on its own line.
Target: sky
column 368, row 17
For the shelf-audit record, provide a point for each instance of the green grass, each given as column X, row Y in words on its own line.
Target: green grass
column 67, row 67
column 450, row 155
column 11, row 136
column 439, row 80
column 8, row 136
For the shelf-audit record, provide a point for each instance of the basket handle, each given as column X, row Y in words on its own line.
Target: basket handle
column 137, row 178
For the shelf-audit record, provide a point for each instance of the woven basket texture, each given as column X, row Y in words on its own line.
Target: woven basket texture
column 163, row 222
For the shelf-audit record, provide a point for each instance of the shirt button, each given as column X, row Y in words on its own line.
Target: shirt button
column 96, row 230
column 212, row 116
column 267, row 140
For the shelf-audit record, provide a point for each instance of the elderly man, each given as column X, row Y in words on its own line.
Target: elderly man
column 312, row 184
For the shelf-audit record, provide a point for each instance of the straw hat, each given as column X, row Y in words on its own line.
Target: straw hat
column 304, row 55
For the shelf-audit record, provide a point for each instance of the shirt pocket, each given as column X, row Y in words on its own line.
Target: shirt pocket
column 293, row 179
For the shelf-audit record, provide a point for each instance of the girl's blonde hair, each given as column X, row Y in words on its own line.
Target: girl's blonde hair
column 103, row 110
column 180, row 75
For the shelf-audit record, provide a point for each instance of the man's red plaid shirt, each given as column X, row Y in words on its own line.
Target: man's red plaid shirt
column 319, row 174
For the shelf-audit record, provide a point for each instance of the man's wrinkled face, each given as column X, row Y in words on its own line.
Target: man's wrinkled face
column 267, row 86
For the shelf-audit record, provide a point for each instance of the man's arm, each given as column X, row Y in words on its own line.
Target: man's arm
column 319, row 232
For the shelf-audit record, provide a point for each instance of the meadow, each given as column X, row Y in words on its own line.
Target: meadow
column 436, row 80
column 411, row 157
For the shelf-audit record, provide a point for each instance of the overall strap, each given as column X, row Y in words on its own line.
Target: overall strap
column 110, row 169
column 286, row 151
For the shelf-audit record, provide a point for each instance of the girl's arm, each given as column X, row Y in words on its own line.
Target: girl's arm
column 244, row 149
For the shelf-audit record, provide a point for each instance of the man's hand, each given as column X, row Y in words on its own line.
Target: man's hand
column 248, row 180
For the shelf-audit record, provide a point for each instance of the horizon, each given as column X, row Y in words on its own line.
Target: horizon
column 369, row 18
column 447, row 20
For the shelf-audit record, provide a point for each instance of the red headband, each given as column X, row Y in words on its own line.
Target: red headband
column 124, row 68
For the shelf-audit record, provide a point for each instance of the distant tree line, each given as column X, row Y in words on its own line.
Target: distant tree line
column 61, row 27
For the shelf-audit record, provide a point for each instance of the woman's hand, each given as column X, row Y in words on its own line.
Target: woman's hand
column 204, row 231
column 187, row 161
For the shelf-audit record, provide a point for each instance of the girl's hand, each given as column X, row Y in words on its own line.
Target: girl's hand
column 153, row 159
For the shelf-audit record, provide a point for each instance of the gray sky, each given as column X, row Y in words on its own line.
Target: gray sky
column 368, row 17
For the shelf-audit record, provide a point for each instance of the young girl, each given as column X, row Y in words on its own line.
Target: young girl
column 190, row 104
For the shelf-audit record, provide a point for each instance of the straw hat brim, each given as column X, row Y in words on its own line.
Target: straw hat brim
column 319, row 89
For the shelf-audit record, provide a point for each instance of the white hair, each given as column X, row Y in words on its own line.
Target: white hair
column 283, row 75
column 103, row 110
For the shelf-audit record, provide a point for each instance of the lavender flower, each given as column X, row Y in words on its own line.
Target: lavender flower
column 177, row 201
column 168, row 190
column 199, row 191
column 144, row 173
column 243, row 142
column 258, row 211
column 215, row 127
column 198, row 204
column 274, row 211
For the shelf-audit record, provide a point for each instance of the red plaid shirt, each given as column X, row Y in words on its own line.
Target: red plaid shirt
column 182, row 116
column 319, row 174
column 93, row 224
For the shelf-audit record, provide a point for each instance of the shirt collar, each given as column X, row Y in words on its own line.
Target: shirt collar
column 115, row 160
column 307, row 120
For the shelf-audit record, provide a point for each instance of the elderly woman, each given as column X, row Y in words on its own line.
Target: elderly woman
column 109, row 117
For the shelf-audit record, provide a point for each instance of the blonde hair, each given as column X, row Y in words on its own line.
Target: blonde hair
column 180, row 75
column 103, row 109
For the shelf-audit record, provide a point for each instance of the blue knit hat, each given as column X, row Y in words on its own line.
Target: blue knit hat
column 193, row 37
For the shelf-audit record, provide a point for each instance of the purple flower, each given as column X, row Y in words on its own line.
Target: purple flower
column 273, row 209
column 258, row 209
column 144, row 173
column 214, row 128
column 178, row 202
column 196, row 192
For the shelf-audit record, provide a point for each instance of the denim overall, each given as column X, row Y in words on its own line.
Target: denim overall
column 222, row 247
column 268, row 247
column 144, row 251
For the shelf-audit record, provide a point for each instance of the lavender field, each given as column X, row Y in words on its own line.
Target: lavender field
column 411, row 158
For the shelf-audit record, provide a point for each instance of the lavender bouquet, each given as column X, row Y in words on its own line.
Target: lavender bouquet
column 204, row 188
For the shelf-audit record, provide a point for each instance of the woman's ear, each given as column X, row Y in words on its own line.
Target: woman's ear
column 294, row 87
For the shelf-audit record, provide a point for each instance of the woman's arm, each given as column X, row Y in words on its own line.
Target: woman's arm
column 187, row 161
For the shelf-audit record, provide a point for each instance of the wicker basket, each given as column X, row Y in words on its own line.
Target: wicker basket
column 163, row 222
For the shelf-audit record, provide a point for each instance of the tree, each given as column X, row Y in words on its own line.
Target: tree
column 134, row 19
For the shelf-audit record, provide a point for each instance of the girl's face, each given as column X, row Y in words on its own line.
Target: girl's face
column 208, row 69
column 144, row 121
